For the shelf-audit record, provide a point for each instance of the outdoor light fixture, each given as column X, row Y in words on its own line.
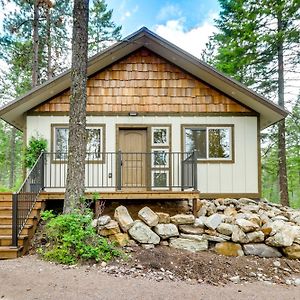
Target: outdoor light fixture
column 132, row 114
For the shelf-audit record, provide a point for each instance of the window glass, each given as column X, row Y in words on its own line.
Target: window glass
column 209, row 142
column 160, row 158
column 219, row 142
column 93, row 147
column 195, row 139
column 160, row 136
column 160, row 180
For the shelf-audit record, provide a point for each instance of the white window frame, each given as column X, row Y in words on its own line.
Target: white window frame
column 167, row 136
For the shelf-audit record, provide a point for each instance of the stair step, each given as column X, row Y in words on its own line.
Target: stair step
column 10, row 252
column 7, row 229
column 5, row 197
column 5, row 210
column 5, row 204
column 6, row 240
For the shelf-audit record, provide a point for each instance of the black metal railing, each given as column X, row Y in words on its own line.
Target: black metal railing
column 159, row 169
column 26, row 197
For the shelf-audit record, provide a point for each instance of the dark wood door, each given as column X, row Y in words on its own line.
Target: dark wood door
column 133, row 145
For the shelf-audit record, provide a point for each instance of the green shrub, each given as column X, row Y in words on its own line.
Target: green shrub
column 72, row 238
column 47, row 215
column 34, row 149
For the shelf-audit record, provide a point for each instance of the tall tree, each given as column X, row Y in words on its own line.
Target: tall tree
column 254, row 43
column 77, row 123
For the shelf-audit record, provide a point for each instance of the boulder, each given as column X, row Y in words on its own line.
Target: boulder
column 239, row 236
column 166, row 231
column 191, row 229
column 123, row 217
column 109, row 229
column 255, row 237
column 225, row 228
column 182, row 219
column 103, row 220
column 229, row 249
column 199, row 222
column 213, row 221
column 261, row 250
column 216, row 238
column 120, row 239
column 282, row 238
column 163, row 218
column 292, row 252
column 143, row 233
column 148, row 216
column 230, row 212
column 188, row 244
column 246, row 226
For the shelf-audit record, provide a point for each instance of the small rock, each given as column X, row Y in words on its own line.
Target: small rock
column 148, row 216
column 166, row 231
column 182, row 219
column 297, row 281
column 246, row 226
column 277, row 263
column 103, row 264
column 147, row 246
column 235, row 279
column 292, row 252
column 225, row 228
column 188, row 244
column 120, row 239
column 239, row 236
column 123, row 217
column 230, row 212
column 213, row 221
column 191, row 229
column 103, row 220
column 229, row 249
column 109, row 229
column 163, row 218
column 94, row 223
column 199, row 222
column 256, row 237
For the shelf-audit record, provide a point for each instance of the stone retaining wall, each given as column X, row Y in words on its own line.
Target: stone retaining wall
column 228, row 226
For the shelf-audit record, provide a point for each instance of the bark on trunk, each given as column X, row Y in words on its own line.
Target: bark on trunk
column 35, row 37
column 12, row 157
column 77, row 122
column 49, row 49
column 283, row 183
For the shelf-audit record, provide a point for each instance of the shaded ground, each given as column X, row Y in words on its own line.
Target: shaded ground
column 31, row 278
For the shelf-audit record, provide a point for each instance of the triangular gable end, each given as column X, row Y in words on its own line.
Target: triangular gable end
column 144, row 82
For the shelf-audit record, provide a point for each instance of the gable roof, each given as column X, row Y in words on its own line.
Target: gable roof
column 270, row 113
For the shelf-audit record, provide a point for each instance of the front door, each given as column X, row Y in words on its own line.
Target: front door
column 133, row 145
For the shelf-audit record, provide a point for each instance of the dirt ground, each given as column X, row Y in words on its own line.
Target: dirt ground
column 31, row 278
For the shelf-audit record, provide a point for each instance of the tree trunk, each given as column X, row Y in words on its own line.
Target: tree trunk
column 35, row 37
column 283, row 183
column 12, row 157
column 77, row 122
column 49, row 49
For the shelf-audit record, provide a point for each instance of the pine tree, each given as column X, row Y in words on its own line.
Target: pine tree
column 257, row 44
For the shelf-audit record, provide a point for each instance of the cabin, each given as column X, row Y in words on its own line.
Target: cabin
column 161, row 124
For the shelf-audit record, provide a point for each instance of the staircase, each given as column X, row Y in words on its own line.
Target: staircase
column 6, row 249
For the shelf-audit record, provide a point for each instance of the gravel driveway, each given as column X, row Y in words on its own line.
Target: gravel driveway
column 31, row 278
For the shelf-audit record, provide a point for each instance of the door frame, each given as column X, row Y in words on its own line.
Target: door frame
column 148, row 128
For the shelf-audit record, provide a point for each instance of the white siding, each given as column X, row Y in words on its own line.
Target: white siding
column 238, row 177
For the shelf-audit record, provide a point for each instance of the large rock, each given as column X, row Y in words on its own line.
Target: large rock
column 282, row 238
column 261, row 250
column 199, row 222
column 103, row 220
column 256, row 237
column 216, row 238
column 166, row 231
column 230, row 212
column 143, row 233
column 123, row 217
column 292, row 252
column 111, row 228
column 182, row 219
column 191, row 229
column 163, row 218
column 188, row 244
column 213, row 221
column 229, row 249
column 225, row 228
column 246, row 226
column 120, row 239
column 148, row 216
column 239, row 236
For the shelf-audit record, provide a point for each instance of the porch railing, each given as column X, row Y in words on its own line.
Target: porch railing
column 26, row 197
column 156, row 170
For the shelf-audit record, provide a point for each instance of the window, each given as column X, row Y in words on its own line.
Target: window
column 160, row 136
column 160, row 158
column 94, row 147
column 211, row 143
column 160, row 179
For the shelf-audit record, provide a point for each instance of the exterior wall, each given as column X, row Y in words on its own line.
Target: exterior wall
column 214, row 179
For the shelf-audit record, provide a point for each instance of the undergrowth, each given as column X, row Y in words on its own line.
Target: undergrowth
column 71, row 238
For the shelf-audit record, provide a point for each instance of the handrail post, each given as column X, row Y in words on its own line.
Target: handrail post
column 182, row 174
column 119, row 170
column 195, row 183
column 15, row 220
column 43, row 171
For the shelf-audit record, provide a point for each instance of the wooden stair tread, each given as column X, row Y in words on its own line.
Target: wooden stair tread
column 7, row 237
column 10, row 248
column 10, row 226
